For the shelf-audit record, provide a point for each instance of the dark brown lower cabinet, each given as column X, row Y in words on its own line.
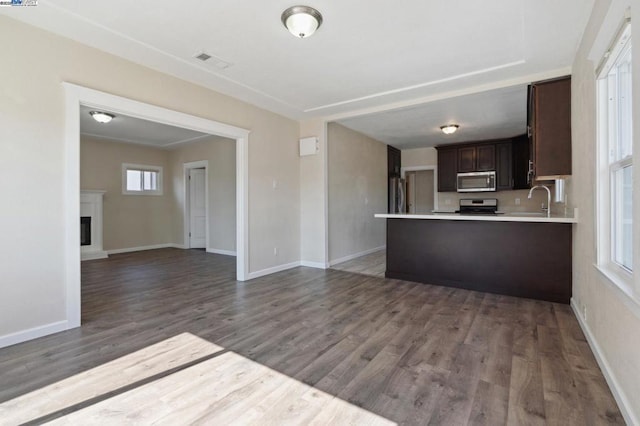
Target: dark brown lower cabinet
column 524, row 259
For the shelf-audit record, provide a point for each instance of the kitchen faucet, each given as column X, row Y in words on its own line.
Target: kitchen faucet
column 548, row 198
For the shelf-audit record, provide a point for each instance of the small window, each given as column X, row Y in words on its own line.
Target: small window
column 615, row 162
column 141, row 180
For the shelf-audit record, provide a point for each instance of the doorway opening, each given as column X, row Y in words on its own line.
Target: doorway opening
column 76, row 96
column 421, row 189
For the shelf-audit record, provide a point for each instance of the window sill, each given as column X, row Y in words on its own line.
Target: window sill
column 140, row 193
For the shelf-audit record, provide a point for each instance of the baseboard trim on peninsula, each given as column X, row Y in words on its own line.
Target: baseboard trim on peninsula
column 616, row 390
column 33, row 333
column 143, row 248
column 224, row 252
column 273, row 270
column 356, row 255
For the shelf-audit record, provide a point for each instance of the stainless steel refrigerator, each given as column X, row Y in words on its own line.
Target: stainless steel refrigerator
column 397, row 199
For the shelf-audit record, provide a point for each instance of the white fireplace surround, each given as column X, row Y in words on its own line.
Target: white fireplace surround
column 91, row 206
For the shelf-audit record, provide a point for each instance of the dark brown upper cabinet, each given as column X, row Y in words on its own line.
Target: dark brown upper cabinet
column 495, row 155
column 476, row 158
column 394, row 161
column 447, row 169
column 485, row 157
column 467, row 159
column 549, row 119
column 504, row 165
column 521, row 156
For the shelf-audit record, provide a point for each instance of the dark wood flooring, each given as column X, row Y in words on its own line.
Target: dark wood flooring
column 169, row 336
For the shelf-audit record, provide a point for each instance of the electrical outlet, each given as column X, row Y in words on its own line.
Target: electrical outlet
column 447, row 201
column 275, row 184
column 584, row 312
column 517, row 201
column 366, row 201
column 275, row 251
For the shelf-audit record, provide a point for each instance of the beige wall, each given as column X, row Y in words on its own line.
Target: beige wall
column 33, row 118
column 132, row 221
column 221, row 154
column 129, row 220
column 357, row 190
column 612, row 318
column 419, row 157
column 313, row 197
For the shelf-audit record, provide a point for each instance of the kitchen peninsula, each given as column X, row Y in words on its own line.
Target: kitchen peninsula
column 515, row 255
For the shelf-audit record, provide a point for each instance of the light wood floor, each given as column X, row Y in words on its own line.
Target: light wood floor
column 169, row 337
column 374, row 264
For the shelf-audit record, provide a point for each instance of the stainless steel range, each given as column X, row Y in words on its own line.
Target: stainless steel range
column 478, row 206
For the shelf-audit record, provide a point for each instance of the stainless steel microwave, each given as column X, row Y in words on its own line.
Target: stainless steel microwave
column 477, row 182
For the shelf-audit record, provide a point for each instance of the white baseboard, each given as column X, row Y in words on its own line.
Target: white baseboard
column 356, row 255
column 225, row 252
column 318, row 265
column 33, row 333
column 616, row 390
column 272, row 270
column 143, row 248
column 93, row 255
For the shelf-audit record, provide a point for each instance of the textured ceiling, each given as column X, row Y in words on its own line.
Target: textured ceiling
column 367, row 54
column 492, row 114
column 134, row 130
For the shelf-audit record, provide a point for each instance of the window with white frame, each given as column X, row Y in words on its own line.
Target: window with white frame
column 140, row 179
column 615, row 162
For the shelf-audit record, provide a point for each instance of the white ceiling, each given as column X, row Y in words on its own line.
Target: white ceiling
column 135, row 130
column 493, row 114
column 368, row 54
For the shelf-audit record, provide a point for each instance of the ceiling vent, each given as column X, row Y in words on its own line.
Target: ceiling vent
column 203, row 57
column 213, row 60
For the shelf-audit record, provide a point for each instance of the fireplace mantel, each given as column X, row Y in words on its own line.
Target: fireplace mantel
column 91, row 206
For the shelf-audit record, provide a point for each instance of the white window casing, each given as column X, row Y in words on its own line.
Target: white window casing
column 141, row 179
column 615, row 164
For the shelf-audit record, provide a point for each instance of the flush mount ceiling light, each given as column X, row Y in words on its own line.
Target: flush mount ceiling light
column 101, row 117
column 301, row 21
column 449, row 129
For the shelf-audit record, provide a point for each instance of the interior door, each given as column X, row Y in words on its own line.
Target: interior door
column 197, row 209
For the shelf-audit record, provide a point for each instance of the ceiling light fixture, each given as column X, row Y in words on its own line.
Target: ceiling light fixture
column 102, row 117
column 449, row 129
column 301, row 21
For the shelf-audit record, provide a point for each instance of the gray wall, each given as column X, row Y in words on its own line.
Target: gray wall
column 357, row 190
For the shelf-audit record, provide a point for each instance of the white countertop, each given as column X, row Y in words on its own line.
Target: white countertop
column 507, row 217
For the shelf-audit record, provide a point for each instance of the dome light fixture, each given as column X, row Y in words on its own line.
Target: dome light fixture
column 449, row 129
column 101, row 117
column 301, row 21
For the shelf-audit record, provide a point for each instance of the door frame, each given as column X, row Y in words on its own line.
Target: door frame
column 403, row 171
column 76, row 95
column 187, row 167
